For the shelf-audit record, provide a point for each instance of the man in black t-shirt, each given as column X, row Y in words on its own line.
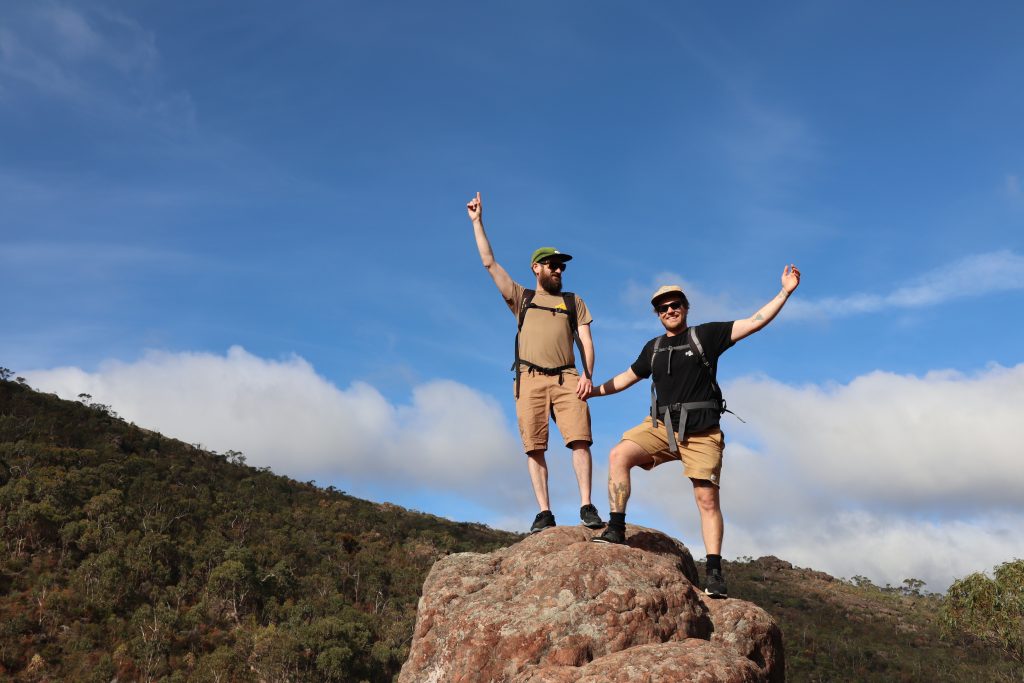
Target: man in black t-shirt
column 684, row 416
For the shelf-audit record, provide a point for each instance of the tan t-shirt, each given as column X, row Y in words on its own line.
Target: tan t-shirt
column 545, row 339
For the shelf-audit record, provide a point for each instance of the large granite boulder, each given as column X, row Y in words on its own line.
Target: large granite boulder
column 556, row 608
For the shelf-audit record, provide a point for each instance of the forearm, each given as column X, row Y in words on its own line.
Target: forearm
column 771, row 309
column 748, row 326
column 621, row 381
column 587, row 341
column 483, row 245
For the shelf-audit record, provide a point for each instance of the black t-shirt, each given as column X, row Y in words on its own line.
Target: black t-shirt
column 689, row 381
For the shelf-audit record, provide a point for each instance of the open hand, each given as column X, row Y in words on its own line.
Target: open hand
column 475, row 208
column 790, row 278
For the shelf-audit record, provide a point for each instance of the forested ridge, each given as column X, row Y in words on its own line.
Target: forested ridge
column 131, row 555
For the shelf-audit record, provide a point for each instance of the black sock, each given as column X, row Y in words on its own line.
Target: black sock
column 617, row 520
column 714, row 562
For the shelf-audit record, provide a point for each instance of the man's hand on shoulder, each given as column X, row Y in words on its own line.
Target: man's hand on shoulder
column 475, row 208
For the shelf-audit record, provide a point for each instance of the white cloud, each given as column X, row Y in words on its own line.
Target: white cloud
column 97, row 59
column 1013, row 186
column 889, row 476
column 971, row 276
column 447, row 438
column 889, row 548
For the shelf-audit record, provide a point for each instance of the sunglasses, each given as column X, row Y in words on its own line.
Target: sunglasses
column 670, row 306
column 554, row 265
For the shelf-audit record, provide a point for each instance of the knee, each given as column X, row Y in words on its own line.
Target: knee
column 580, row 446
column 707, row 500
column 619, row 457
column 708, row 506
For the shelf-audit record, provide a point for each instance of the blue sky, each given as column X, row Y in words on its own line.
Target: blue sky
column 180, row 180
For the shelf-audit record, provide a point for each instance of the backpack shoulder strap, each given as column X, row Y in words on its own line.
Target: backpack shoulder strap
column 528, row 295
column 570, row 310
column 691, row 333
column 654, row 392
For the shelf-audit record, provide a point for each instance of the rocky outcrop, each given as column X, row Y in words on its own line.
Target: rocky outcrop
column 556, row 608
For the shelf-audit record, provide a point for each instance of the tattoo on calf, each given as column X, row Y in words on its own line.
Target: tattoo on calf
column 618, row 494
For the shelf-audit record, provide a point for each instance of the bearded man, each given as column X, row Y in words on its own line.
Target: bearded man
column 547, row 383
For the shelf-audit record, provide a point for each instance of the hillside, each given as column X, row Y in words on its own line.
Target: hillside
column 836, row 631
column 129, row 554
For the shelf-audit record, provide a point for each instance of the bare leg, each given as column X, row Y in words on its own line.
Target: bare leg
column 624, row 456
column 581, row 463
column 712, row 525
column 538, row 467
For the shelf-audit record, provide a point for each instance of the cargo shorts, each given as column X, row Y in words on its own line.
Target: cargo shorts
column 542, row 397
column 700, row 452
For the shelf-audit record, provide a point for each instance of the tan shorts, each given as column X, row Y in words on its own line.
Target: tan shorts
column 701, row 452
column 541, row 397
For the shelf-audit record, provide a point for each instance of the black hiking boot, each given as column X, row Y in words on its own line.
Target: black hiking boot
column 715, row 585
column 542, row 521
column 611, row 534
column 591, row 520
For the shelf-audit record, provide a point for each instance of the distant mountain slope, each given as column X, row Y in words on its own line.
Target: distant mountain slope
column 130, row 554
column 836, row 631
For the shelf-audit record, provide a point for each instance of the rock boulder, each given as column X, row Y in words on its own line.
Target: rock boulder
column 556, row 608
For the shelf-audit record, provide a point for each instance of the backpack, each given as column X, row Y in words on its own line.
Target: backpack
column 718, row 403
column 570, row 311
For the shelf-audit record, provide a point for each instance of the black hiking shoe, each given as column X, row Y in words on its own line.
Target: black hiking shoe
column 542, row 521
column 591, row 520
column 611, row 534
column 715, row 585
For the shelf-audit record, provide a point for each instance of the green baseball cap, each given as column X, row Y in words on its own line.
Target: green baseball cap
column 548, row 252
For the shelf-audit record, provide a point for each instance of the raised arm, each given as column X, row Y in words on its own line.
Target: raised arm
column 586, row 385
column 623, row 380
column 748, row 326
column 475, row 209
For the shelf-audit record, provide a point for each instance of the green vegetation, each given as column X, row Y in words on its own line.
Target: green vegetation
column 125, row 553
column 836, row 630
column 991, row 610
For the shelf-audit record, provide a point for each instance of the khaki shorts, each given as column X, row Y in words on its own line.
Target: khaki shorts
column 541, row 397
column 701, row 452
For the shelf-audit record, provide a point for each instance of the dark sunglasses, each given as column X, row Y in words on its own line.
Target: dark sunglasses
column 670, row 306
column 554, row 265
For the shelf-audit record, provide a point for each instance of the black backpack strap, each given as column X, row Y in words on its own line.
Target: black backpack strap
column 570, row 309
column 691, row 334
column 528, row 295
column 695, row 343
column 654, row 393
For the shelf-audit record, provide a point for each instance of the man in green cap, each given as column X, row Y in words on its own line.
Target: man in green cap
column 686, row 404
column 547, row 382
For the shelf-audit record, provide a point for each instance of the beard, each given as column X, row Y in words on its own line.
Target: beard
column 550, row 282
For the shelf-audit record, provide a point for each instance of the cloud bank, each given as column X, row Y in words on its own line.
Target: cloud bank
column 972, row 276
column 889, row 476
column 281, row 414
